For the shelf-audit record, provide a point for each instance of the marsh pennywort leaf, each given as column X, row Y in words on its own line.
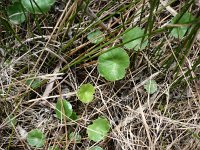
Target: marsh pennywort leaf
column 98, row 130
column 150, row 86
column 96, row 37
column 75, row 137
column 11, row 120
column 86, row 93
column 135, row 36
column 112, row 64
column 73, row 116
column 96, row 148
column 16, row 14
column 37, row 6
column 179, row 32
column 36, row 138
column 33, row 83
column 63, row 108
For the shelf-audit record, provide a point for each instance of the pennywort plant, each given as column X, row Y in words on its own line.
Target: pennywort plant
column 18, row 10
column 86, row 93
column 36, row 138
column 96, row 131
column 96, row 36
column 112, row 65
column 150, row 86
column 37, row 6
column 33, row 83
column 11, row 120
column 99, row 129
column 133, row 39
column 16, row 13
column 181, row 23
column 63, row 108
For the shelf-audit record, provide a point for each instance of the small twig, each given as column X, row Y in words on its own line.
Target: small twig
column 50, row 97
column 49, row 86
column 170, row 9
column 93, row 15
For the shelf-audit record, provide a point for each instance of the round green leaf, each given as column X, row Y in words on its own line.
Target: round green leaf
column 33, row 83
column 75, row 137
column 135, row 36
column 73, row 116
column 96, row 148
column 179, row 32
column 37, row 6
column 96, row 37
column 86, row 93
column 63, row 108
column 112, row 64
column 98, row 130
column 11, row 120
column 16, row 14
column 150, row 86
column 36, row 138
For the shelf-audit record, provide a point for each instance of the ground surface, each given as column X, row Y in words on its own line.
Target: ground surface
column 53, row 49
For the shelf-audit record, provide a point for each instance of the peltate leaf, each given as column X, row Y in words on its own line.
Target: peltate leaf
column 11, row 120
column 96, row 37
column 86, row 93
column 135, row 36
column 98, row 130
column 37, row 6
column 63, row 108
column 33, row 83
column 179, row 32
column 112, row 64
column 150, row 86
column 36, row 138
column 16, row 13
